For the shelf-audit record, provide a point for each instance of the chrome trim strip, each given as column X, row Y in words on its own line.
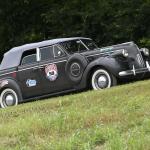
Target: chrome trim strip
column 41, row 66
column 147, row 66
column 134, row 70
column 104, row 53
column 53, row 63
column 130, row 72
column 33, row 67
column 38, row 58
column 7, row 73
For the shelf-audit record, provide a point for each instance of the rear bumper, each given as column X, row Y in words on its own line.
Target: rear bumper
column 134, row 71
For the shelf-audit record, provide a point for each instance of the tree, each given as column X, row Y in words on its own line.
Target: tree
column 107, row 22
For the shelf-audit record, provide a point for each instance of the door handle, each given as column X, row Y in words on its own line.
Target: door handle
column 41, row 67
column 36, row 68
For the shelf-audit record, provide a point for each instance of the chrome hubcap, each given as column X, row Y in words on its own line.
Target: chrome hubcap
column 9, row 100
column 102, row 81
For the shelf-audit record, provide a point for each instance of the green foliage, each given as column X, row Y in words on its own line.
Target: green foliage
column 107, row 22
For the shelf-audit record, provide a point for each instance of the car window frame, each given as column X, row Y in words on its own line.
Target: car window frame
column 54, row 57
column 57, row 57
column 33, row 63
column 77, row 51
column 26, row 57
column 40, row 53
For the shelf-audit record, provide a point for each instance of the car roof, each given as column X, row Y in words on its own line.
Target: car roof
column 44, row 43
column 13, row 56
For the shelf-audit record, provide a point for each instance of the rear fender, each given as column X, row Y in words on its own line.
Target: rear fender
column 11, row 83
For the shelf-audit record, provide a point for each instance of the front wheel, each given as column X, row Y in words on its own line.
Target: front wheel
column 8, row 98
column 102, row 79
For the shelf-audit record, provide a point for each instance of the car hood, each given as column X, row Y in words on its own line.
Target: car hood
column 131, row 47
column 110, row 49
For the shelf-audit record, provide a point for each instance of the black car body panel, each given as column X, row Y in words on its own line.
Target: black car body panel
column 59, row 65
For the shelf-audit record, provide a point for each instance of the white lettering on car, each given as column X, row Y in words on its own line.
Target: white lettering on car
column 31, row 83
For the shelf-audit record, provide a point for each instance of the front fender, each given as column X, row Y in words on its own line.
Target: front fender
column 109, row 63
column 10, row 83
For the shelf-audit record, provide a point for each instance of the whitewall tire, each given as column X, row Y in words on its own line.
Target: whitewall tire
column 102, row 79
column 8, row 98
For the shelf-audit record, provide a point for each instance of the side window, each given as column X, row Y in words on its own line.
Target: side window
column 58, row 52
column 73, row 46
column 29, row 57
column 46, row 53
column 70, row 46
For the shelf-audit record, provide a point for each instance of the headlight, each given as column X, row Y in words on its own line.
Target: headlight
column 145, row 51
column 125, row 53
column 121, row 52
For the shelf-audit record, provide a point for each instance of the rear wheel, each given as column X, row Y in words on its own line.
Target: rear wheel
column 102, row 79
column 8, row 98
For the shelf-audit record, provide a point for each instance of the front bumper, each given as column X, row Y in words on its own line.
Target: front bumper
column 135, row 71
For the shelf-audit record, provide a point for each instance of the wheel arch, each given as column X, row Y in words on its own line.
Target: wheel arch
column 91, row 71
column 108, row 64
column 12, row 84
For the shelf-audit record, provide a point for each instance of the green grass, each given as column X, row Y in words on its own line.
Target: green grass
column 113, row 119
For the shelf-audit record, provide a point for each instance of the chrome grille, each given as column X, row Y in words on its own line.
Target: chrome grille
column 140, row 60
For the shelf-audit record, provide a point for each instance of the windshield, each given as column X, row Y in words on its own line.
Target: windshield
column 78, row 45
column 90, row 44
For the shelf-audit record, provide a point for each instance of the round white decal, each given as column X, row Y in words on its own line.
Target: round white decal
column 51, row 72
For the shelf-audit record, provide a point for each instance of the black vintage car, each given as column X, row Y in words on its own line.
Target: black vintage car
column 61, row 65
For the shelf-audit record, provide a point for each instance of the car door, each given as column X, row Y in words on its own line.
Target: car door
column 29, row 74
column 53, row 62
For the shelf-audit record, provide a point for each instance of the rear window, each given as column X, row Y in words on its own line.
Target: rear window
column 29, row 59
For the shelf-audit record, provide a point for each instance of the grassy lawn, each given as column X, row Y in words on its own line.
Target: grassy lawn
column 113, row 119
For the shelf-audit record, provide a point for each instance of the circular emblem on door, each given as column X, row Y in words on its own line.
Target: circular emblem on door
column 51, row 72
column 75, row 69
